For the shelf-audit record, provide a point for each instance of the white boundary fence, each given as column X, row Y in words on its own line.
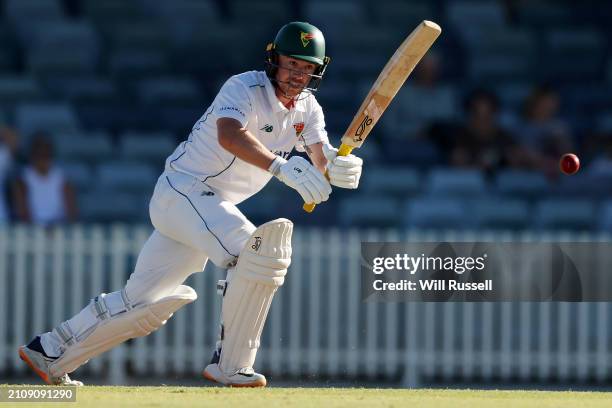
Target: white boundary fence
column 318, row 325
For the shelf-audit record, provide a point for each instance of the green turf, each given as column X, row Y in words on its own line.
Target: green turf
column 115, row 397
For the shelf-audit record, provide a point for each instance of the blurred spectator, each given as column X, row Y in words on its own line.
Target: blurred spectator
column 8, row 146
column 42, row 195
column 481, row 142
column 542, row 131
column 421, row 101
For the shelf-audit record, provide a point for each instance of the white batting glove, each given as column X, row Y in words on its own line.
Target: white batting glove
column 343, row 171
column 297, row 173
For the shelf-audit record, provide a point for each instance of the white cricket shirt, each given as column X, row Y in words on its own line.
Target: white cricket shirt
column 250, row 99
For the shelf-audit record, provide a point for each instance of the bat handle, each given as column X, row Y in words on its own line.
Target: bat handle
column 343, row 150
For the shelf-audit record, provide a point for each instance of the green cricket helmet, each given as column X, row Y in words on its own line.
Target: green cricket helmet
column 302, row 41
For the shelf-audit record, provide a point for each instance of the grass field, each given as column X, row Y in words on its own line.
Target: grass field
column 111, row 397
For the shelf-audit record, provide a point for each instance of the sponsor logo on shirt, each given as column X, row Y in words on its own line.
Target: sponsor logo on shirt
column 282, row 154
column 299, row 128
column 268, row 128
column 232, row 108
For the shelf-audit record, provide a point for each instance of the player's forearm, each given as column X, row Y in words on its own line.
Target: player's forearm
column 315, row 153
column 243, row 144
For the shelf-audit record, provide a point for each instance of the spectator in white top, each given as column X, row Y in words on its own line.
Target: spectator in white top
column 8, row 145
column 42, row 194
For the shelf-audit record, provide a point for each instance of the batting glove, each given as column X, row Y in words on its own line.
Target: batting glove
column 297, row 173
column 343, row 171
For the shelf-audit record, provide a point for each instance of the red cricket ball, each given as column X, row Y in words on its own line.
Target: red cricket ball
column 569, row 163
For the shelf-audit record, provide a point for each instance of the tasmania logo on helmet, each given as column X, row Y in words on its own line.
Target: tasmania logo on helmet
column 306, row 37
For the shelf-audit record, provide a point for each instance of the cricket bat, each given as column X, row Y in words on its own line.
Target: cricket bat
column 389, row 81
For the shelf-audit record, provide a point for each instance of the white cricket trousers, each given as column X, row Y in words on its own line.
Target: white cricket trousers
column 192, row 224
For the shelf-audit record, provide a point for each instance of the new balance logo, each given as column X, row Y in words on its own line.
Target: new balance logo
column 268, row 128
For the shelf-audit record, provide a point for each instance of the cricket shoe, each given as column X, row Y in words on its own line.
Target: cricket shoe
column 35, row 357
column 245, row 377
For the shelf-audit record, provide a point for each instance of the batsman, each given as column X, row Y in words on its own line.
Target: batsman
column 241, row 141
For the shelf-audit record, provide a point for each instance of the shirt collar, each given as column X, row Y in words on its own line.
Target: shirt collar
column 276, row 104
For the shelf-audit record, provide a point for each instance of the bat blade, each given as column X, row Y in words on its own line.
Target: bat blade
column 388, row 83
column 390, row 80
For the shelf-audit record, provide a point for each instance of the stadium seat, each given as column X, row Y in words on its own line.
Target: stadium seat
column 146, row 146
column 418, row 153
column 19, row 89
column 33, row 10
column 604, row 122
column 605, row 219
column 9, row 52
column 500, row 66
column 585, row 184
column 521, row 183
column 328, row 14
column 415, row 108
column 436, row 213
column 62, row 47
column 86, row 146
column 45, row 62
column 500, row 213
column 179, row 119
column 572, row 55
column 564, row 214
column 79, row 174
column 127, row 176
column 109, row 11
column 482, row 39
column 482, row 13
column 587, row 99
column 107, row 205
column 200, row 10
column 369, row 211
column 73, row 34
column 183, row 17
column 135, row 64
column 146, row 35
column 513, row 94
column 276, row 12
column 401, row 181
column 545, row 14
column 447, row 182
column 50, row 117
column 402, row 14
column 83, row 89
column 169, row 90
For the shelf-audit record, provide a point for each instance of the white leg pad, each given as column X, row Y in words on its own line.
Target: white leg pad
column 115, row 322
column 260, row 271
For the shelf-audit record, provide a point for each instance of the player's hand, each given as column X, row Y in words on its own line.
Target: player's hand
column 299, row 174
column 343, row 171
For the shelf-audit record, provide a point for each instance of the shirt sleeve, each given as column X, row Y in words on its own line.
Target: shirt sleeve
column 233, row 101
column 314, row 128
